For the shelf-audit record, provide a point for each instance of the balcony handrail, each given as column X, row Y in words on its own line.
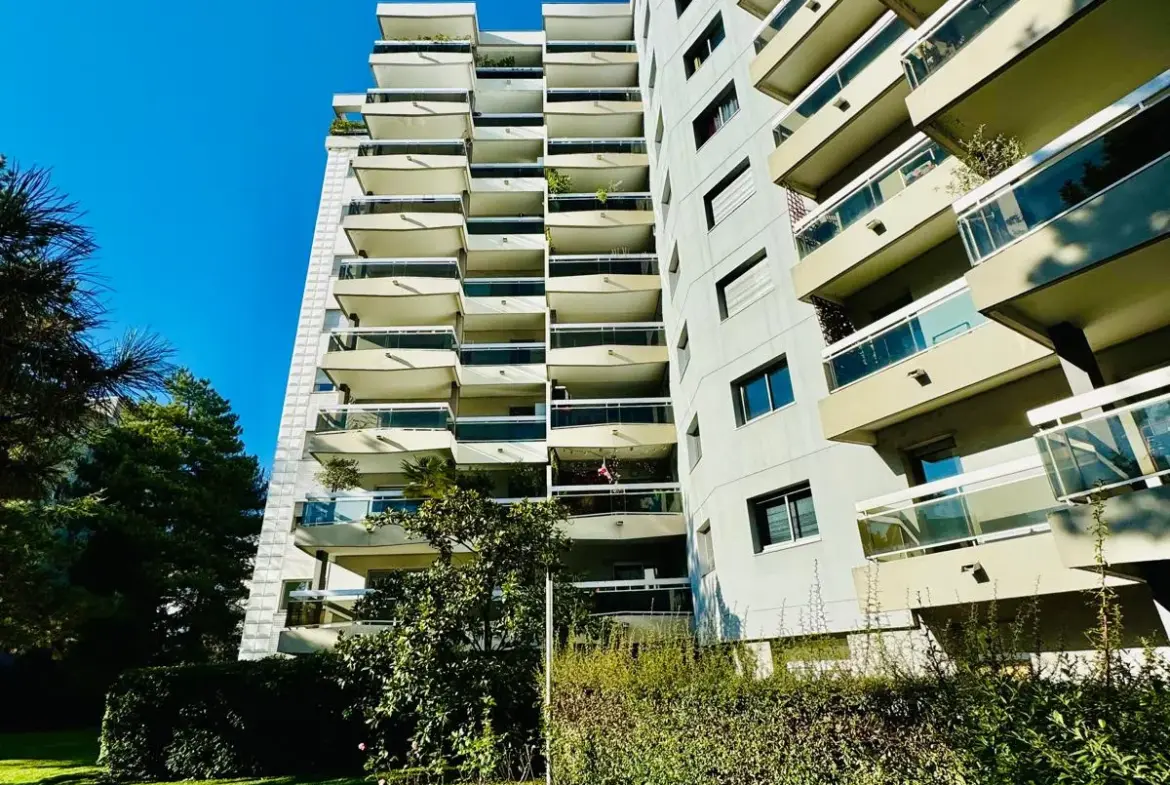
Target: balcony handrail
column 594, row 402
column 579, row 327
column 385, row 407
column 593, row 196
column 354, row 495
column 392, row 260
column 513, row 345
column 454, row 42
column 616, row 489
column 637, row 584
column 504, row 218
column 767, row 21
column 906, row 498
column 419, row 90
column 409, row 143
column 406, row 199
column 1077, row 405
column 835, row 67
column 940, row 17
column 503, row 418
column 342, row 595
column 1109, row 414
column 589, row 257
column 517, row 279
column 907, row 149
column 904, row 314
column 1068, row 142
column 393, row 330
column 574, row 42
column 571, row 140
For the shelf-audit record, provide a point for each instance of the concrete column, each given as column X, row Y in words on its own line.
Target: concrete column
column 1076, row 358
column 321, row 570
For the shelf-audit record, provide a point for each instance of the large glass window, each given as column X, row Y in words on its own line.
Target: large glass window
column 716, row 115
column 703, row 46
column 784, row 517
column 763, row 391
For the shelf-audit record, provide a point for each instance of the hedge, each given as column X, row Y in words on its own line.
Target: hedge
column 243, row 719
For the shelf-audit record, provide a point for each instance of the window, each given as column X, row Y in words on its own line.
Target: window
column 694, row 443
column 631, row 571
column 935, row 460
column 684, row 351
column 681, row 5
column 703, row 46
column 653, row 77
column 715, row 116
column 322, row 382
column 763, row 390
column 665, row 200
column 646, row 23
column 288, row 587
column 334, row 320
column 659, row 131
column 743, row 286
column 783, row 517
column 673, row 270
column 733, row 190
column 704, row 549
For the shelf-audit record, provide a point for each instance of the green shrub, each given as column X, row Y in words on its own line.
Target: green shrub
column 242, row 719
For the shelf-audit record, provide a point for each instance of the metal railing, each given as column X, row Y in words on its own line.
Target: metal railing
column 944, row 314
column 413, row 147
column 644, row 597
column 509, row 225
column 889, row 178
column 572, row 203
column 593, row 264
column 394, row 47
column 1012, row 499
column 502, row 354
column 408, row 416
column 774, row 22
column 507, row 170
column 440, row 95
column 399, row 268
column 352, row 508
column 947, row 32
column 359, row 338
column 579, row 413
column 649, row 499
column 533, row 428
column 579, row 146
column 385, row 205
column 829, row 85
column 567, row 336
column 556, row 95
column 1128, row 139
column 503, row 287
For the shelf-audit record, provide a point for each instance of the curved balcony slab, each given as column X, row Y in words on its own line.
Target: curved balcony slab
column 393, row 374
column 594, row 119
column 419, row 70
column 392, row 175
column 418, row 120
column 382, row 450
column 591, row 69
column 618, row 364
column 404, row 300
column 600, row 231
column 642, row 440
column 406, row 234
column 604, row 297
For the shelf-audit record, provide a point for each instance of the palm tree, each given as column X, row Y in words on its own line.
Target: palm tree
column 429, row 477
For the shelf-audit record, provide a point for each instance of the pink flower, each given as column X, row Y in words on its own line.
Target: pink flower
column 362, row 746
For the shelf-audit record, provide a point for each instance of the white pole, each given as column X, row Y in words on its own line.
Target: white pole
column 548, row 658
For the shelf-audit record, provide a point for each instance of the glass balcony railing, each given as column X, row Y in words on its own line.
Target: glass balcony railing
column 941, row 41
column 533, row 225
column 1108, row 450
column 570, row 47
column 557, row 95
column 889, row 181
column 827, row 87
column 574, row 414
column 392, row 96
column 616, row 499
column 503, row 287
column 579, row 146
column 359, row 418
column 399, row 268
column 390, row 338
column 414, row 147
column 647, row 597
column 940, row 316
column 588, row 264
column 385, row 205
column 572, row 203
column 1134, row 142
column 501, row 429
column 507, row 170
column 959, row 510
column 509, row 72
column 352, row 509
column 502, row 354
column 629, row 334
column 507, row 119
column 781, row 15
column 395, row 47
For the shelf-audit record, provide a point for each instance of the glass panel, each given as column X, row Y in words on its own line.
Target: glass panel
column 781, row 16
column 755, row 397
column 412, row 147
column 646, row 265
column 501, row 430
column 1068, row 181
column 571, row 146
column 485, row 287
column 600, row 414
column 780, row 385
column 623, row 502
column 615, row 94
column 349, row 342
column 646, row 601
column 609, row 336
column 507, row 170
column 357, row 419
column 580, row 202
column 505, row 225
column 566, row 47
column 951, row 36
column 801, row 505
column 497, row 120
column 777, row 528
column 398, row 96
column 390, row 47
column 918, row 333
column 376, row 206
column 470, row 354
column 395, row 269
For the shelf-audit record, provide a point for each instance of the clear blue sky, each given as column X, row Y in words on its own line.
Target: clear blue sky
column 193, row 135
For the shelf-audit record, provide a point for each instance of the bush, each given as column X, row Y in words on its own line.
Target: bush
column 242, row 719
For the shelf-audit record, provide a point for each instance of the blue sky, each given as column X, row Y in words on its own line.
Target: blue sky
column 193, row 135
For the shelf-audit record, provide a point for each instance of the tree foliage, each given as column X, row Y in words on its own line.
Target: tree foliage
column 339, row 474
column 984, row 157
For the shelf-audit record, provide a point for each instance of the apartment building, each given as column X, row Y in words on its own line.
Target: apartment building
column 836, row 387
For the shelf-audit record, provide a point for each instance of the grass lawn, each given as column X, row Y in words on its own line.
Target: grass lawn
column 70, row 758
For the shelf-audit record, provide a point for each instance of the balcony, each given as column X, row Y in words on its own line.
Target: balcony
column 389, row 226
column 588, row 21
column 491, row 369
column 510, row 90
column 591, row 68
column 645, row 601
column 602, row 113
column 447, row 21
column 976, row 537
column 798, row 40
column 504, row 304
column 382, row 437
column 507, row 189
column 604, row 287
column 399, row 292
column 335, row 524
column 635, row 428
column 1112, row 443
column 890, row 215
column 418, row 114
column 412, row 167
column 317, row 618
column 857, row 101
column 618, row 353
column 1077, row 232
column 512, row 439
column 622, row 512
column 934, row 352
column 583, row 223
column 591, row 164
column 1030, row 68
column 402, row 363
column 422, row 64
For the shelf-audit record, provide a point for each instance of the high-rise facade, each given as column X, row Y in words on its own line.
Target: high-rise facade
column 713, row 274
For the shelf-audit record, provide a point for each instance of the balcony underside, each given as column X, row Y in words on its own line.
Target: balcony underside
column 635, row 365
column 594, row 119
column 1042, row 67
column 591, row 69
column 393, row 374
column 601, row 231
column 418, row 120
column 515, row 196
column 507, row 312
column 401, row 301
column 1104, row 267
column 604, row 298
column 382, row 450
column 627, row 440
column 422, row 70
column 591, row 171
column 912, row 222
column 588, row 22
column 522, row 254
column 986, row 357
column 478, row 453
column 406, row 22
column 502, row 145
column 1139, row 531
column 406, row 234
column 392, row 175
column 489, row 381
column 353, row 539
column 626, row 526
